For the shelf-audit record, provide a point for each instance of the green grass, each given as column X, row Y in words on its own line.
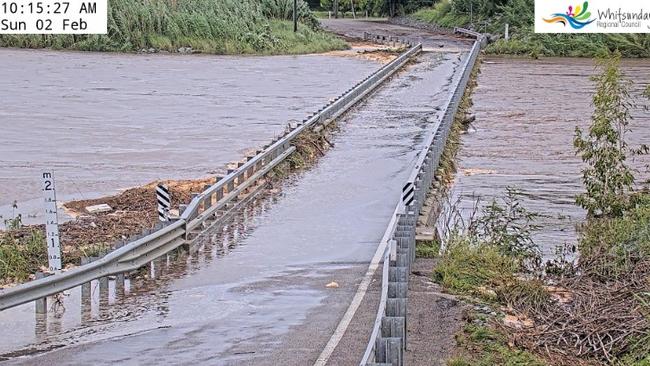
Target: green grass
column 527, row 43
column 441, row 14
column 428, row 249
column 488, row 347
column 20, row 257
column 614, row 246
column 475, row 269
column 220, row 27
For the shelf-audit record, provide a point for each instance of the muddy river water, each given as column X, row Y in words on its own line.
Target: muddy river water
column 104, row 122
column 526, row 113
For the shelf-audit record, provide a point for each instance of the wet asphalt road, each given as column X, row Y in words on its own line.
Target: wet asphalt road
column 256, row 293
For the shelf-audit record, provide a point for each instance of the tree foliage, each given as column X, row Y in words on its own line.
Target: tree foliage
column 607, row 177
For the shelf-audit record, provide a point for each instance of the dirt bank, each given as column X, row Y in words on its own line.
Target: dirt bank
column 367, row 51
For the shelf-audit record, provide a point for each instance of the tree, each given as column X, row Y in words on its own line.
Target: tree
column 607, row 177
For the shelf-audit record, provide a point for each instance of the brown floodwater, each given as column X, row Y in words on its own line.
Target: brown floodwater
column 526, row 113
column 104, row 122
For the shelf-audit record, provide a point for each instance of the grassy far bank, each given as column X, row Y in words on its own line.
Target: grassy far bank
column 589, row 310
column 220, row 27
column 491, row 16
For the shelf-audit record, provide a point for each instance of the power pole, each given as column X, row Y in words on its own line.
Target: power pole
column 295, row 16
column 471, row 13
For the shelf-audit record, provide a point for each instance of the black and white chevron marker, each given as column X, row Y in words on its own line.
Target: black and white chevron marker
column 164, row 202
column 408, row 193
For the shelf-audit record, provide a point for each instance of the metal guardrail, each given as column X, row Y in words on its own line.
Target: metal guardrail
column 468, row 32
column 389, row 336
column 205, row 210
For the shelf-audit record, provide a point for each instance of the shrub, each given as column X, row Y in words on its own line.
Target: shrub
column 607, row 178
column 611, row 247
column 20, row 257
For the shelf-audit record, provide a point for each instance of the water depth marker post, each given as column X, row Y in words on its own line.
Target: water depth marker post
column 51, row 222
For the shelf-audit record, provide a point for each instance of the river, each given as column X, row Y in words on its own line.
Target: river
column 526, row 113
column 105, row 122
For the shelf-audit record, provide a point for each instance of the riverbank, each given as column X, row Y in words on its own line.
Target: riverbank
column 215, row 27
column 533, row 301
column 131, row 212
column 590, row 311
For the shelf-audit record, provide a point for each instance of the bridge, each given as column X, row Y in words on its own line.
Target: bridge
column 316, row 271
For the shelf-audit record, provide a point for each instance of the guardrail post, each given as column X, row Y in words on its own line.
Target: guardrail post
column 181, row 209
column 249, row 172
column 396, row 307
column 103, row 291
column 394, row 327
column 85, row 288
column 86, row 297
column 398, row 274
column 120, row 277
column 381, row 346
column 394, row 351
column 240, row 177
column 231, row 183
column 156, row 268
column 219, row 194
column 207, row 202
column 41, row 304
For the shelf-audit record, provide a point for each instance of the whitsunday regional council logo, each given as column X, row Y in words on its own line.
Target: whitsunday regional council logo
column 593, row 16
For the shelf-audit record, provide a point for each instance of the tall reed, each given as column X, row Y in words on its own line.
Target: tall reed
column 214, row 26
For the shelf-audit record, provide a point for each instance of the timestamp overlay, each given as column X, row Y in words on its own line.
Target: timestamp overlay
column 53, row 17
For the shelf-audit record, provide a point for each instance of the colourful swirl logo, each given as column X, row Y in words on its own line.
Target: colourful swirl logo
column 577, row 18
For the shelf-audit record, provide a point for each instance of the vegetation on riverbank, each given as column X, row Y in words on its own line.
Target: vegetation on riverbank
column 589, row 310
column 491, row 17
column 220, row 27
column 21, row 256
